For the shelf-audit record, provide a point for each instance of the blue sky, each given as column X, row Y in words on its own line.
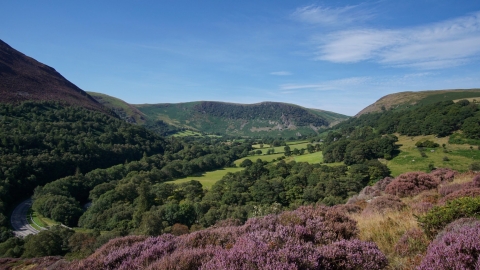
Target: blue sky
column 333, row 55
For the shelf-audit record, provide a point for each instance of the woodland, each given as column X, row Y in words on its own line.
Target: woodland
column 110, row 183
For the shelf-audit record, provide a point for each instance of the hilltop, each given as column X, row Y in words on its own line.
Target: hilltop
column 23, row 78
column 404, row 100
column 260, row 119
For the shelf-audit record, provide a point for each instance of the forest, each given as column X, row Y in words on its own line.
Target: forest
column 107, row 179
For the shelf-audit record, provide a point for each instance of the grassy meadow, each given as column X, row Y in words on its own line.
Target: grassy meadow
column 207, row 179
column 455, row 156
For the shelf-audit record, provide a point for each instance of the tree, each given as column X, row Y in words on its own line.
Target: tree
column 287, row 151
column 246, row 162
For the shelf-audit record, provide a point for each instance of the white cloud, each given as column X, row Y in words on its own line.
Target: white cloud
column 332, row 16
column 281, row 73
column 340, row 84
column 449, row 43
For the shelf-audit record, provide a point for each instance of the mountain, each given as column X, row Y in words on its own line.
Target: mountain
column 403, row 100
column 260, row 119
column 23, row 78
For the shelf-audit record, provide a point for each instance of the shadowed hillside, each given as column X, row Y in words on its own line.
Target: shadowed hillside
column 23, row 78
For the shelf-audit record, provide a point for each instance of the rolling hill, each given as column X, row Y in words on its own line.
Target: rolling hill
column 23, row 78
column 260, row 119
column 404, row 100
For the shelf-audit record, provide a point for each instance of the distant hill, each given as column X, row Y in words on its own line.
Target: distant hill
column 124, row 110
column 407, row 99
column 261, row 119
column 23, row 78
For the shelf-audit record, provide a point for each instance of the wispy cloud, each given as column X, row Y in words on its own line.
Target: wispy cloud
column 332, row 16
column 444, row 44
column 281, row 73
column 340, row 84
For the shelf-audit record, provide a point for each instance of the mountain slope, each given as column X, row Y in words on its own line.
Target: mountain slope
column 407, row 99
column 260, row 119
column 23, row 78
column 124, row 110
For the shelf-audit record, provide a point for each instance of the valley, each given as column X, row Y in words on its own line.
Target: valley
column 201, row 182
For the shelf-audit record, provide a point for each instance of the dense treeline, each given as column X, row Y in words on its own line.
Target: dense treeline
column 359, row 145
column 61, row 199
column 44, row 141
column 440, row 119
column 133, row 198
column 267, row 110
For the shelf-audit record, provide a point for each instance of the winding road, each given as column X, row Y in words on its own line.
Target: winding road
column 19, row 220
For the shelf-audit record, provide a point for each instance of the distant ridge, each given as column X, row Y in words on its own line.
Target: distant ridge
column 405, row 99
column 23, row 78
column 259, row 119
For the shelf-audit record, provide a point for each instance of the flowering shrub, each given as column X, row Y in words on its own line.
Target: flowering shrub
column 384, row 204
column 476, row 180
column 347, row 208
column 457, row 249
column 472, row 192
column 382, row 184
column 443, row 174
column 307, row 238
column 437, row 218
column 352, row 254
column 457, row 225
column 185, row 259
column 411, row 183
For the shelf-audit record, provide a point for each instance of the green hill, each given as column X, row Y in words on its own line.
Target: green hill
column 404, row 100
column 260, row 119
column 124, row 110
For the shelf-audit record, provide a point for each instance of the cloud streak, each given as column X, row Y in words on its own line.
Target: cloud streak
column 340, row 84
column 281, row 73
column 326, row 16
column 440, row 45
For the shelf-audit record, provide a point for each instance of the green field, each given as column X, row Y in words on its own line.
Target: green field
column 267, row 158
column 186, row 133
column 316, row 157
column 410, row 159
column 281, row 149
column 209, row 178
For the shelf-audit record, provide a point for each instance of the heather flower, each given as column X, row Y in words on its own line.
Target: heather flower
column 443, row 174
column 352, row 254
column 472, row 192
column 458, row 249
column 411, row 183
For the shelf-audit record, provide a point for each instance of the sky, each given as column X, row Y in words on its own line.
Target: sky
column 339, row 56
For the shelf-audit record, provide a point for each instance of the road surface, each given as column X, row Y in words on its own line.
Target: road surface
column 19, row 220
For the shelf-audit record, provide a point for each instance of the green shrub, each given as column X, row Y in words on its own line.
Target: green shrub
column 427, row 144
column 440, row 216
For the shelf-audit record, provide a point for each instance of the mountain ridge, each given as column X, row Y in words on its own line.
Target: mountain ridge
column 22, row 78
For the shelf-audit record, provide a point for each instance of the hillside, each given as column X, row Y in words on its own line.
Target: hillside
column 407, row 99
column 23, row 78
column 124, row 110
column 260, row 119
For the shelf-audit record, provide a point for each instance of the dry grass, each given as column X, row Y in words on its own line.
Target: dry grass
column 386, row 230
